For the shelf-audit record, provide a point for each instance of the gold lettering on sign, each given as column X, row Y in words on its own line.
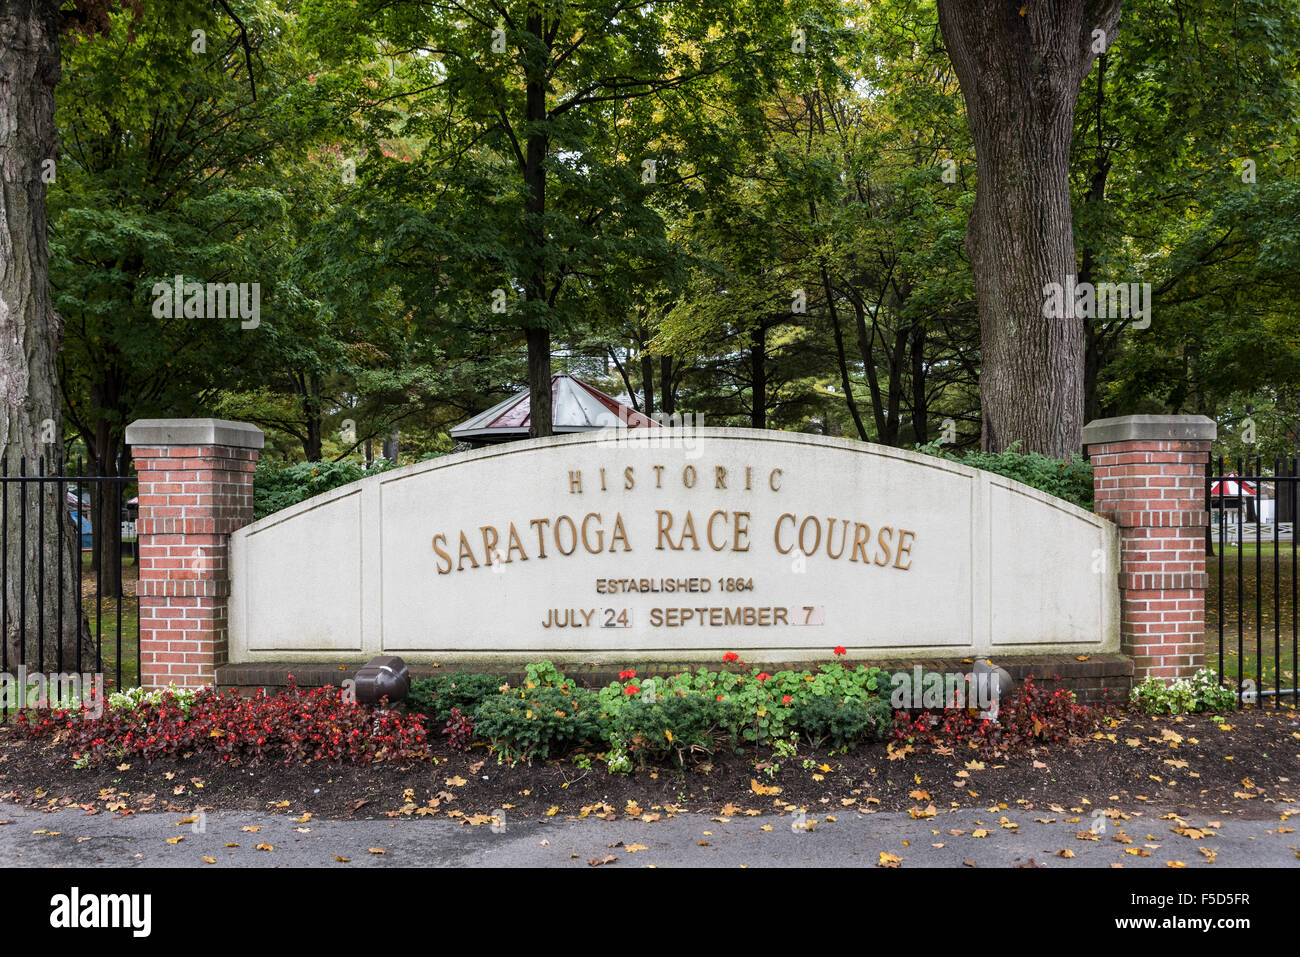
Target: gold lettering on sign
column 664, row 528
column 861, row 535
column 748, row 470
column 880, row 541
column 776, row 535
column 709, row 530
column 465, row 552
column 904, row 549
column 844, row 537
column 489, row 542
column 719, row 477
column 575, row 482
column 628, row 481
column 573, row 536
column 772, row 480
column 740, row 528
column 816, row 541
column 659, row 475
column 688, row 476
column 600, row 534
column 602, row 481
column 515, row 543
column 442, row 555
column 619, row 534
column 688, row 528
column 540, row 524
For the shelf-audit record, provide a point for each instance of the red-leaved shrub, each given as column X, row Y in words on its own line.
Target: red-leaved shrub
column 292, row 727
column 459, row 731
column 1032, row 715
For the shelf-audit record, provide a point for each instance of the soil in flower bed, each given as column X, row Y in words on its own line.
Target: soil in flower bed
column 1248, row 766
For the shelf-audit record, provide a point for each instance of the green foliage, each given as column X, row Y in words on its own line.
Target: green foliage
column 845, row 722
column 133, row 698
column 759, row 708
column 1070, row 479
column 277, row 486
column 463, row 690
column 1201, row 692
column 529, row 723
column 672, row 728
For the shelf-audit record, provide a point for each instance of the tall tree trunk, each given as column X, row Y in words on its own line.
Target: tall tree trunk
column 393, row 446
column 537, row 332
column 1098, row 340
column 31, row 332
column 106, row 514
column 1020, row 68
column 313, row 442
column 758, row 373
column 846, row 383
column 667, row 394
column 920, row 405
column 867, row 350
column 648, row 380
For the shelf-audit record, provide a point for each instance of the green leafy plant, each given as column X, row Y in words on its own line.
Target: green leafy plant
column 675, row 727
column 461, row 690
column 845, row 722
column 1070, row 479
column 1201, row 692
column 276, row 486
column 132, row 698
column 528, row 723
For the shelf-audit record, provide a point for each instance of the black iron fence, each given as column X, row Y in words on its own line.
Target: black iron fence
column 69, row 564
column 1252, row 636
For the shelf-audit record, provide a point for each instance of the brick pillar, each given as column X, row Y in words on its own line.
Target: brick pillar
column 1149, row 479
column 196, row 487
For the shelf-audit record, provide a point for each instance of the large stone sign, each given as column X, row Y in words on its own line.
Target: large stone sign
column 676, row 544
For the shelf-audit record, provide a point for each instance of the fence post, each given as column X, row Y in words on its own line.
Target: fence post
column 196, row 487
column 1149, row 479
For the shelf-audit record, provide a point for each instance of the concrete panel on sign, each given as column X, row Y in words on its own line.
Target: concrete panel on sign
column 298, row 584
column 1045, row 565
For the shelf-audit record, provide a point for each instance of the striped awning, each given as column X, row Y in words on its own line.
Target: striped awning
column 1229, row 487
column 575, row 407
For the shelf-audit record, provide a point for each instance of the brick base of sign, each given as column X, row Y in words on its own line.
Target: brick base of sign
column 1149, row 478
column 1102, row 678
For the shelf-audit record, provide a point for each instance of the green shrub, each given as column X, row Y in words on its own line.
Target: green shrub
column 1070, row 479
column 527, row 723
column 277, row 485
column 1201, row 692
column 844, row 722
column 436, row 696
column 132, row 698
column 766, row 702
column 669, row 729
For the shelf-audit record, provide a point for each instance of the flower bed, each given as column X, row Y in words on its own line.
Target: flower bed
column 291, row 727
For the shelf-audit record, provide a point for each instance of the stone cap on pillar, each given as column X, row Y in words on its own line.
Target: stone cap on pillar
column 163, row 432
column 1150, row 428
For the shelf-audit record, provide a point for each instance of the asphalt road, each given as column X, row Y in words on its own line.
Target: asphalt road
column 33, row 838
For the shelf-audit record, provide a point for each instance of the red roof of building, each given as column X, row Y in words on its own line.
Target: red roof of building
column 575, row 407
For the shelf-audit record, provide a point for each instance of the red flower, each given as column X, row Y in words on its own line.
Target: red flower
column 762, row 676
column 786, row 700
column 632, row 689
column 840, row 650
column 624, row 675
column 719, row 697
column 731, row 656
